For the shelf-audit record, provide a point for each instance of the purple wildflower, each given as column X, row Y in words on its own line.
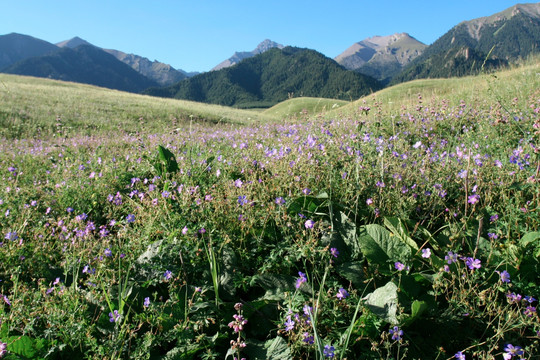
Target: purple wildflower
column 451, row 257
column 505, row 276
column 513, row 298
column 396, row 333
column 167, row 275
column 146, row 302
column 114, row 316
column 328, row 351
column 242, row 200
column 238, row 324
column 308, row 339
column 459, row 355
column 473, row 199
column 309, row 224
column 289, row 324
column 334, row 252
column 302, row 279
column 513, row 350
column 11, row 236
column 342, row 294
column 529, row 311
column 426, row 253
column 399, row 266
column 473, row 263
column 130, row 218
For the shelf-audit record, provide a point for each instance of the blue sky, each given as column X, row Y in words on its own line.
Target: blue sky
column 197, row 35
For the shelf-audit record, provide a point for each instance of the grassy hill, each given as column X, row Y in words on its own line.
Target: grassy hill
column 518, row 80
column 31, row 107
column 304, row 106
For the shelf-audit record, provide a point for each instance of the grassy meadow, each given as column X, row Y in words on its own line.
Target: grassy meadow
column 403, row 225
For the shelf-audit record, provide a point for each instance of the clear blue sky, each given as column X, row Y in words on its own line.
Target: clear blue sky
column 196, row 35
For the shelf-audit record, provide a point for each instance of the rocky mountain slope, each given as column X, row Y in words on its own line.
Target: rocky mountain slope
column 381, row 57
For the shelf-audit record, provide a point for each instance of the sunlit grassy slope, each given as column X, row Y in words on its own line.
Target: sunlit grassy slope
column 473, row 89
column 31, row 107
column 303, row 106
column 34, row 106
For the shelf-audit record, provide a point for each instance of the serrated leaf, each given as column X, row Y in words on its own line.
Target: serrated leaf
column 24, row 346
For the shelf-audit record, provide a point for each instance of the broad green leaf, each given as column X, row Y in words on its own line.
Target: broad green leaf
column 274, row 349
column 167, row 160
column 417, row 308
column 529, row 238
column 306, row 205
column 25, row 346
column 383, row 302
column 396, row 226
column 277, row 349
column 352, row 271
column 379, row 245
column 275, row 285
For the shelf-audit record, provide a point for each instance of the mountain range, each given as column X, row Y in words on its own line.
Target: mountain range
column 479, row 44
column 271, row 77
column 468, row 48
column 16, row 49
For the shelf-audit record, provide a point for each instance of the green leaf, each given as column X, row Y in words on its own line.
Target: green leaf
column 379, row 245
column 275, row 285
column 25, row 346
column 352, row 271
column 417, row 308
column 343, row 237
column 396, row 226
column 306, row 204
column 383, row 302
column 277, row 349
column 274, row 349
column 166, row 161
column 529, row 238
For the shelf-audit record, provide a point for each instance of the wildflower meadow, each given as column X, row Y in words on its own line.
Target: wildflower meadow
column 387, row 232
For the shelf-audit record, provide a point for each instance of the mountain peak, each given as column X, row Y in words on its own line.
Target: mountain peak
column 373, row 55
column 239, row 56
column 73, row 42
column 475, row 26
column 266, row 45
